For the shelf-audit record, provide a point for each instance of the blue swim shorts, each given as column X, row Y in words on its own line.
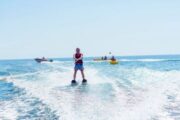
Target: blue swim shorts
column 78, row 67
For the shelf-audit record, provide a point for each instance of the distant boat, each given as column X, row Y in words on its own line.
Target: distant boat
column 39, row 60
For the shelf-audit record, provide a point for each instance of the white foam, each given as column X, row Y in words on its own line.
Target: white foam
column 146, row 99
column 7, row 111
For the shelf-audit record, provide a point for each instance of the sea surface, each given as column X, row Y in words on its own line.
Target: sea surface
column 138, row 88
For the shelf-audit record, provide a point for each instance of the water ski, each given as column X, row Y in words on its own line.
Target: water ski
column 84, row 81
column 74, row 82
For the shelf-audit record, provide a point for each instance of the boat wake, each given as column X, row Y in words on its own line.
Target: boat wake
column 127, row 94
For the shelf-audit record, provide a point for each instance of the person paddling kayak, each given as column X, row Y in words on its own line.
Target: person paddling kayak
column 78, row 58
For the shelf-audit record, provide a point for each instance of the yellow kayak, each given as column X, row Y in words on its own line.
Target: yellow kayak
column 113, row 62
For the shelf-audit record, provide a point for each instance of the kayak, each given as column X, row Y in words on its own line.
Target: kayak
column 113, row 62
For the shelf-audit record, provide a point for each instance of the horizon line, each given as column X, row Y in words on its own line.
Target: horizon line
column 93, row 56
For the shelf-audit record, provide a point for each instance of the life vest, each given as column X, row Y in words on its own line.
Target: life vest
column 78, row 55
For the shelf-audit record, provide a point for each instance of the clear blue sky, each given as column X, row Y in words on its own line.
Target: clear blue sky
column 54, row 28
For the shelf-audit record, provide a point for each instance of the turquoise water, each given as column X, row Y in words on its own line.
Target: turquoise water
column 139, row 88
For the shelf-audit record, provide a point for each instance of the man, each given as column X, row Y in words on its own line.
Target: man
column 113, row 58
column 105, row 57
column 78, row 58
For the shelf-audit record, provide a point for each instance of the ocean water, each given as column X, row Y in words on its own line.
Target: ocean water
column 138, row 88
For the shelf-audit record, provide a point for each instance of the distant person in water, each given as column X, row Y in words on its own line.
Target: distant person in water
column 113, row 58
column 43, row 58
column 105, row 57
column 102, row 58
column 78, row 58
